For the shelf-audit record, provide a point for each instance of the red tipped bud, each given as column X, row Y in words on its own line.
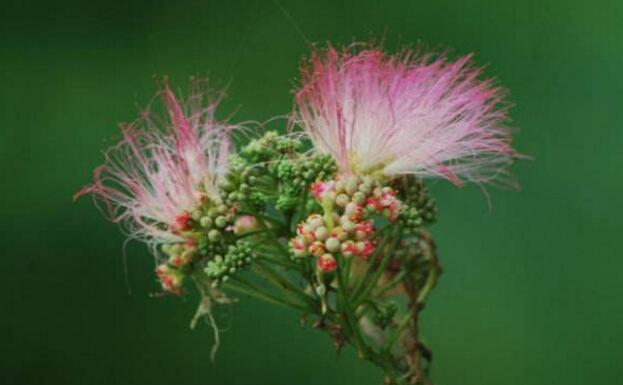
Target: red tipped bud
column 365, row 248
column 317, row 249
column 182, row 222
column 298, row 246
column 326, row 263
column 245, row 224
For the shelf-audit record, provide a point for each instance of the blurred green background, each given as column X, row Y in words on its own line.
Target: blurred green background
column 532, row 287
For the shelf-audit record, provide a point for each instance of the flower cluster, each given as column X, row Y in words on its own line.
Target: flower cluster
column 347, row 226
column 333, row 230
column 161, row 181
column 273, row 168
column 220, row 268
column 206, row 231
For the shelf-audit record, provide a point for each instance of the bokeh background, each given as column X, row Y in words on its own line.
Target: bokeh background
column 532, row 287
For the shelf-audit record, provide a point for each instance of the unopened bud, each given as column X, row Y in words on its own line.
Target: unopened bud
column 351, row 185
column 314, row 221
column 222, row 209
column 206, row 222
column 317, row 249
column 349, row 249
column 245, row 224
column 220, row 222
column 339, row 234
column 321, row 233
column 214, row 235
column 298, row 247
column 333, row 245
column 359, row 198
column 326, row 263
column 365, row 188
column 352, row 208
column 342, row 200
column 347, row 224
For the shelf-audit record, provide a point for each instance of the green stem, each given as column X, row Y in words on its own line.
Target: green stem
column 327, row 206
column 347, row 310
column 370, row 285
column 402, row 325
column 391, row 284
column 283, row 283
column 282, row 262
column 247, row 288
column 360, row 284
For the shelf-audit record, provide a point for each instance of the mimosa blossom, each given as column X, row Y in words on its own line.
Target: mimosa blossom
column 408, row 113
column 164, row 166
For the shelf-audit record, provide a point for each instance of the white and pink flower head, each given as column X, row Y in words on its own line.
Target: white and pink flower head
column 408, row 113
column 165, row 165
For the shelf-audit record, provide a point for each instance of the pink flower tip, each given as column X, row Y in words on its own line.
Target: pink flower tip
column 406, row 113
column 164, row 165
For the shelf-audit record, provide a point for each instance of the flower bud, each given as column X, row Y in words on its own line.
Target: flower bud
column 349, row 248
column 347, row 224
column 333, row 245
column 317, row 249
column 364, row 248
column 359, row 198
column 214, row 235
column 342, row 200
column 176, row 260
column 363, row 230
column 220, row 222
column 351, row 185
column 314, row 221
column 339, row 186
column 221, row 209
column 321, row 233
column 365, row 188
column 206, row 222
column 326, row 263
column 245, row 224
column 170, row 278
column 320, row 190
column 299, row 248
column 353, row 210
column 182, row 222
column 339, row 234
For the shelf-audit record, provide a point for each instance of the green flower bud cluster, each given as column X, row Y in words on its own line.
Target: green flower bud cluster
column 238, row 257
column 273, row 169
column 242, row 182
column 214, row 220
column 411, row 219
column 270, row 146
column 410, row 254
column 347, row 224
column 206, row 230
column 296, row 175
column 415, row 195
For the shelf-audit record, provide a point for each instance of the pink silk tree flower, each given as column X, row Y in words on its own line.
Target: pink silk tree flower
column 408, row 113
column 165, row 165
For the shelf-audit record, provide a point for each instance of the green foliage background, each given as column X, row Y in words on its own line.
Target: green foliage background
column 532, row 288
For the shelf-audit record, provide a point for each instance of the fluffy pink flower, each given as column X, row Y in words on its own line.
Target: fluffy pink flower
column 408, row 113
column 164, row 166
